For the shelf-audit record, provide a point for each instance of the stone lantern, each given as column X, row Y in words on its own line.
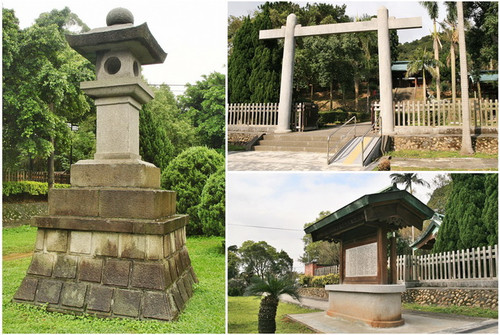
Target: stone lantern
column 112, row 244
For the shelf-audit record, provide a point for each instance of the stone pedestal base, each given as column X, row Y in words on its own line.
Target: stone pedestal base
column 376, row 305
column 143, row 276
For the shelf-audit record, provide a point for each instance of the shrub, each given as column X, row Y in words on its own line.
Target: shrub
column 10, row 188
column 236, row 287
column 320, row 281
column 305, row 280
column 340, row 116
column 212, row 209
column 187, row 174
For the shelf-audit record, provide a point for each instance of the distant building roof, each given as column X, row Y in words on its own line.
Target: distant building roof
column 400, row 65
column 486, row 76
column 427, row 239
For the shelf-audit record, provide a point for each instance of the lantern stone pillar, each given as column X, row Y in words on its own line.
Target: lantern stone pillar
column 112, row 244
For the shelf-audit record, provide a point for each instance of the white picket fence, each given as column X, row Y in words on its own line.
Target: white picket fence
column 253, row 114
column 470, row 264
column 442, row 113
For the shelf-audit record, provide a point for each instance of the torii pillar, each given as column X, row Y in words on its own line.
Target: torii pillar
column 381, row 24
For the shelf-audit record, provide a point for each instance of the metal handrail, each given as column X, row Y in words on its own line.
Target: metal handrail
column 341, row 138
column 378, row 121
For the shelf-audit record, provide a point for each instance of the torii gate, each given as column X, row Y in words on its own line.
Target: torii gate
column 381, row 24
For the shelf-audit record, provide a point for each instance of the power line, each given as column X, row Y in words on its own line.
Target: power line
column 276, row 228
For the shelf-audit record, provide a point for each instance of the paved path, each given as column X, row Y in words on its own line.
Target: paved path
column 302, row 161
column 415, row 321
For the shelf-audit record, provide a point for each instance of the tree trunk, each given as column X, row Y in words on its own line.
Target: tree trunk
column 436, row 57
column 267, row 314
column 424, row 86
column 50, row 165
column 464, row 83
column 453, row 74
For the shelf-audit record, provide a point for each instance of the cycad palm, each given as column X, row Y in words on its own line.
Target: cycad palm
column 272, row 288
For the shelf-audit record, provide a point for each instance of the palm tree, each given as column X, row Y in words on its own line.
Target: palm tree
column 433, row 10
column 420, row 61
column 272, row 288
column 464, row 83
column 408, row 179
column 451, row 35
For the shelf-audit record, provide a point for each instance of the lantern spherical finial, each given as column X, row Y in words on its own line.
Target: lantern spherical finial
column 119, row 16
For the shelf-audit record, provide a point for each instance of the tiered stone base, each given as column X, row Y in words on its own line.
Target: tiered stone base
column 110, row 274
column 111, row 251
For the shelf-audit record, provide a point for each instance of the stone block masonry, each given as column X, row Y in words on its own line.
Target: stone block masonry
column 472, row 297
column 482, row 144
column 110, row 274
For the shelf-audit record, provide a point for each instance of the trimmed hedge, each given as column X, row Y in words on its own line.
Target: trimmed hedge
column 321, row 281
column 10, row 188
column 340, row 116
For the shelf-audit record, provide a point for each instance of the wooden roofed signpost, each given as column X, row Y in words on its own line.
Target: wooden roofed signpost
column 381, row 24
column 367, row 292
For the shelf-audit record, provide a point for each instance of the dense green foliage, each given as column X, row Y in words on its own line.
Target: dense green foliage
column 321, row 281
column 441, row 193
column 10, row 188
column 242, row 316
column 259, row 259
column 335, row 63
column 41, row 87
column 187, row 174
column 209, row 295
column 469, row 209
column 323, row 252
column 203, row 105
column 340, row 116
column 212, row 209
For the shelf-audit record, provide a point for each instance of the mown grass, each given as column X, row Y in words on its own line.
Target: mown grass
column 419, row 168
column 18, row 239
column 204, row 313
column 436, row 154
column 458, row 310
column 242, row 316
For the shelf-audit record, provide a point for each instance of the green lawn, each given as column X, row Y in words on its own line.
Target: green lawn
column 204, row 313
column 242, row 316
column 458, row 310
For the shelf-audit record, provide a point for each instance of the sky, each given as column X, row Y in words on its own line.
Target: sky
column 192, row 33
column 289, row 200
column 398, row 9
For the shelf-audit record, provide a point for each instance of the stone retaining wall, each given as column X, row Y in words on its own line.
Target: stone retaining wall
column 474, row 297
column 483, row 144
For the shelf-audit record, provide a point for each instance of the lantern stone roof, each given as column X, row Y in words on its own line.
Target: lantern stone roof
column 124, row 36
column 391, row 207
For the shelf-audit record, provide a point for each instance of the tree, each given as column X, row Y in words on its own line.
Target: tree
column 323, row 252
column 204, row 105
column 433, row 10
column 212, row 210
column 170, row 120
column 408, row 179
column 187, row 174
column 41, row 89
column 451, row 35
column 272, row 288
column 421, row 61
column 440, row 195
column 463, row 226
column 154, row 145
column 490, row 210
column 466, row 147
column 260, row 259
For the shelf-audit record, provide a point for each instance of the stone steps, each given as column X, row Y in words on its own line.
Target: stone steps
column 293, row 142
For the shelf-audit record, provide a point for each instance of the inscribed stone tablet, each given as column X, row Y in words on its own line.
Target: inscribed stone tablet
column 361, row 261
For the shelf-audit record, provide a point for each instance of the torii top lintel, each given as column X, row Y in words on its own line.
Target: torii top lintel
column 339, row 28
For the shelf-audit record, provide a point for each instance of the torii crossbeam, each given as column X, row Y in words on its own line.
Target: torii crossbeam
column 381, row 24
